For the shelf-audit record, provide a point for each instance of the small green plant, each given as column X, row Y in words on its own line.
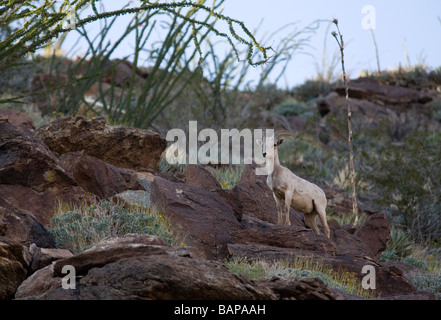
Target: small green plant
column 79, row 228
column 291, row 107
column 400, row 244
column 430, row 281
column 229, row 176
column 435, row 107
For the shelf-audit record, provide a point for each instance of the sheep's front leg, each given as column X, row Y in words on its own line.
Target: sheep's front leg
column 288, row 199
column 279, row 208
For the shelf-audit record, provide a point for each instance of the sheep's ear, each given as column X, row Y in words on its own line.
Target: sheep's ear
column 281, row 140
column 259, row 142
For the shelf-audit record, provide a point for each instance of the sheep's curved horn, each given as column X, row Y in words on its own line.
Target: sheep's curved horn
column 283, row 133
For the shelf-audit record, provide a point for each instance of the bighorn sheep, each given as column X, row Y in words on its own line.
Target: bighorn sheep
column 298, row 193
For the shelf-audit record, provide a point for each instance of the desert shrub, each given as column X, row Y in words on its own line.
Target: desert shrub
column 435, row 75
column 228, row 176
column 311, row 89
column 292, row 107
column 435, row 108
column 298, row 267
column 416, row 76
column 80, row 228
column 406, row 179
column 399, row 246
column 430, row 281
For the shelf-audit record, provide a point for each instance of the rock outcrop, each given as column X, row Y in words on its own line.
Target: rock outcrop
column 14, row 262
column 141, row 267
column 32, row 177
column 75, row 159
column 120, row 146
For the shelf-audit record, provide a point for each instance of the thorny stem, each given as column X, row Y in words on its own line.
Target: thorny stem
column 339, row 38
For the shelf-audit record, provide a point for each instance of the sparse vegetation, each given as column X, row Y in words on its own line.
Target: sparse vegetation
column 183, row 77
column 298, row 267
column 79, row 228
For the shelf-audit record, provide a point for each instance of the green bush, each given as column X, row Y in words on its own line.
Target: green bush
column 299, row 267
column 435, row 108
column 311, row 89
column 79, row 229
column 428, row 281
column 399, row 245
column 229, row 176
column 406, row 181
column 292, row 107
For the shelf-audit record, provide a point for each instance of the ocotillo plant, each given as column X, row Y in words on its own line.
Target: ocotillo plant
column 339, row 38
column 42, row 21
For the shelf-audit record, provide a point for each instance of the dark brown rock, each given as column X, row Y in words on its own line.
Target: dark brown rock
column 201, row 218
column 19, row 119
column 32, row 178
column 14, row 262
column 301, row 289
column 196, row 176
column 147, row 269
column 97, row 177
column 372, row 89
column 42, row 257
column 9, row 131
column 255, row 231
column 374, row 114
column 375, row 233
column 22, row 226
column 120, row 146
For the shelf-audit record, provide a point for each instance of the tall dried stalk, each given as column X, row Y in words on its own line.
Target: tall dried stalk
column 339, row 38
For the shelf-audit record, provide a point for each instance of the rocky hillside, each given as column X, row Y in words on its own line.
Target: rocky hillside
column 75, row 160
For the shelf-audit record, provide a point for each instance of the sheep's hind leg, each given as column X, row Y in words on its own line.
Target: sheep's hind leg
column 311, row 221
column 322, row 215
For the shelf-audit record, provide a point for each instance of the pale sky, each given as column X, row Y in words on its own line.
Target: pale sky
column 400, row 24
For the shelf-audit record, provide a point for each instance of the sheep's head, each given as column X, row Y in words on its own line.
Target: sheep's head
column 271, row 144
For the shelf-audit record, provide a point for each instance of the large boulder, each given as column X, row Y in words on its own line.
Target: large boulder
column 120, row 146
column 302, row 289
column 201, row 218
column 42, row 257
column 14, row 262
column 22, row 226
column 375, row 233
column 10, row 131
column 373, row 114
column 141, row 267
column 19, row 119
column 373, row 90
column 97, row 177
column 32, row 177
